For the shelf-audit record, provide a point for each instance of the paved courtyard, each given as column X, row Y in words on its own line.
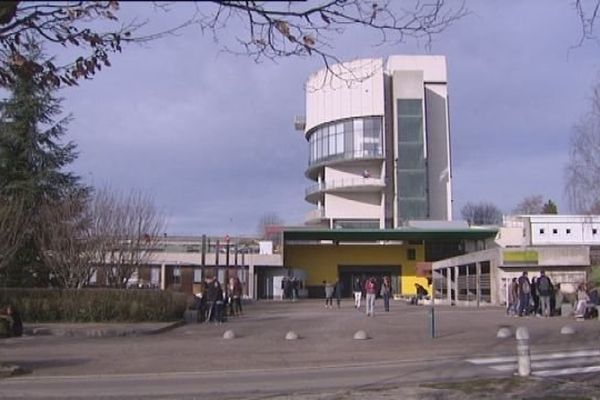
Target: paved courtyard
column 399, row 348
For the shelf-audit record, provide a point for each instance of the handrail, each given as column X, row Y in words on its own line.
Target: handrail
column 341, row 183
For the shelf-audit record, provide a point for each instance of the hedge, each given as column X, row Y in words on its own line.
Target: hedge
column 95, row 305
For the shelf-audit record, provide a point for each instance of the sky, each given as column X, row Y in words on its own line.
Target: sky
column 210, row 136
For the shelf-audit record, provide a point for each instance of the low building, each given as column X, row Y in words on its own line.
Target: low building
column 565, row 246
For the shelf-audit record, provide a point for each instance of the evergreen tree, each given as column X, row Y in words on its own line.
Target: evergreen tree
column 550, row 207
column 32, row 160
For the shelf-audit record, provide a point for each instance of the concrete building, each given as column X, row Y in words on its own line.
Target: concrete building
column 565, row 246
column 379, row 143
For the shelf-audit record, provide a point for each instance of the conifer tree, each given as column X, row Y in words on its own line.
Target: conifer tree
column 33, row 160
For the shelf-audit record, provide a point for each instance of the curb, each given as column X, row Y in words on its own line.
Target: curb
column 100, row 332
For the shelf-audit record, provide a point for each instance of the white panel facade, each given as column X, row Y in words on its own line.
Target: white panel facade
column 438, row 152
column 433, row 67
column 358, row 205
column 358, row 92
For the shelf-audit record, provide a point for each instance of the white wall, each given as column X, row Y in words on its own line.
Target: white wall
column 563, row 229
column 355, row 205
column 438, row 152
column 433, row 67
column 359, row 92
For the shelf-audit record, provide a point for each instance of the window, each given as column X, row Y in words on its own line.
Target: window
column 568, row 231
column 197, row 275
column 411, row 254
column 554, row 231
column 541, row 232
column 594, row 231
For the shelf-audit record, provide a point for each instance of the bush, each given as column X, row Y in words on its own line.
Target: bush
column 95, row 305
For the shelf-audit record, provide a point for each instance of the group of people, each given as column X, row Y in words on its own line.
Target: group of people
column 290, row 287
column 541, row 297
column 215, row 303
column 536, row 297
column 370, row 288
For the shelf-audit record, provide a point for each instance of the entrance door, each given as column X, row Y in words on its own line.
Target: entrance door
column 349, row 273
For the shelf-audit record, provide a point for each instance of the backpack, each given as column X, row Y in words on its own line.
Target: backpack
column 544, row 285
column 525, row 288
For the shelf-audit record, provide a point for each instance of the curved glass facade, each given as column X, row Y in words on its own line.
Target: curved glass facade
column 347, row 139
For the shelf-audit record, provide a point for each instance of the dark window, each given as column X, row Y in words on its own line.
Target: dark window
column 594, row 231
column 541, row 231
column 411, row 254
column 568, row 231
column 555, row 231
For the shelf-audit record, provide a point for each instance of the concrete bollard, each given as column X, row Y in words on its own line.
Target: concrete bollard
column 361, row 335
column 229, row 334
column 291, row 335
column 504, row 333
column 523, row 355
column 567, row 330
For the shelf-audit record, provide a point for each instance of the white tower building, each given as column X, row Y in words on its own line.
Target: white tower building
column 379, row 143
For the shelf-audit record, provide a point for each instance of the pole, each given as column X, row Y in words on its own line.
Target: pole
column 432, row 310
column 523, row 354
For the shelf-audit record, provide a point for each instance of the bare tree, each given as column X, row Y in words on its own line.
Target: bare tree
column 68, row 244
column 481, row 214
column 533, row 204
column 128, row 228
column 582, row 172
column 269, row 227
column 13, row 222
column 273, row 29
column 587, row 12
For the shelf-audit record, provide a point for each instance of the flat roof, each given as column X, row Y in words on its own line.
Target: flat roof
column 359, row 235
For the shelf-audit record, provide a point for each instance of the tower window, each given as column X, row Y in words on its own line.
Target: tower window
column 541, row 231
column 568, row 231
column 554, row 231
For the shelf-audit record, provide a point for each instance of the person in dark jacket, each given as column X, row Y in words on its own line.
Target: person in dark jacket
column 357, row 288
column 524, row 293
column 544, row 291
column 339, row 286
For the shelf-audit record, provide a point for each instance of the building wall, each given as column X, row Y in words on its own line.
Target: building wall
column 356, row 205
column 320, row 262
column 438, row 152
column 359, row 92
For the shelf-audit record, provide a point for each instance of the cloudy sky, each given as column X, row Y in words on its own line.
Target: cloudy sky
column 210, row 135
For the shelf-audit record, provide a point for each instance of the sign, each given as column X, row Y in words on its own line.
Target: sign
column 520, row 257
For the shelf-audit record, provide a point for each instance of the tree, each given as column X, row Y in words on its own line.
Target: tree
column 582, row 172
column 32, row 164
column 274, row 29
column 68, row 245
column 13, row 217
column 530, row 205
column 550, row 208
column 482, row 213
column 127, row 228
column 269, row 228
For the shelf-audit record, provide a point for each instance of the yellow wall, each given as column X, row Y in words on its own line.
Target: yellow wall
column 320, row 262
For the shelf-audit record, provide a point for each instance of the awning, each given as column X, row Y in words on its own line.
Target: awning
column 373, row 235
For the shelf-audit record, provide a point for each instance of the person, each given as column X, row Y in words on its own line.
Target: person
column 544, row 290
column 535, row 298
column 214, row 300
column 339, row 286
column 328, row 294
column 235, row 296
column 556, row 300
column 421, row 292
column 386, row 292
column 371, row 290
column 11, row 322
column 524, row 294
column 357, row 291
column 582, row 300
column 513, row 297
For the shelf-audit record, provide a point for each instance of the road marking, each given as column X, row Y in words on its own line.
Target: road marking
column 548, row 364
column 550, row 356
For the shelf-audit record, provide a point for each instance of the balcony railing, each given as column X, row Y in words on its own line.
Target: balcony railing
column 345, row 183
